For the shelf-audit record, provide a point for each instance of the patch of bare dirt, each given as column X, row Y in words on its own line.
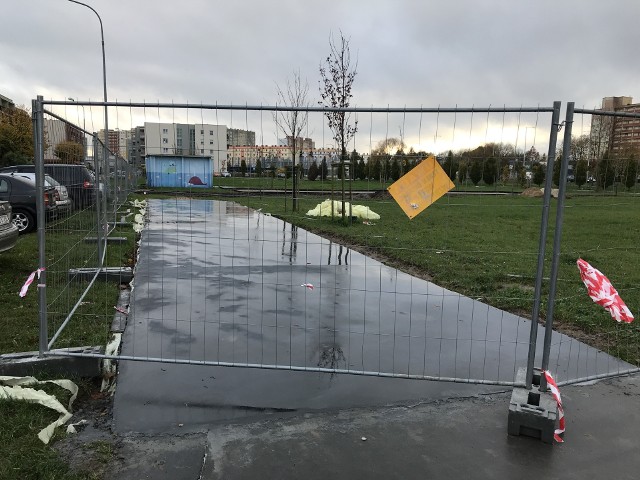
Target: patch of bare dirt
column 94, row 447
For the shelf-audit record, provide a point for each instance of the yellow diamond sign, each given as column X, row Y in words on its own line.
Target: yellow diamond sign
column 422, row 186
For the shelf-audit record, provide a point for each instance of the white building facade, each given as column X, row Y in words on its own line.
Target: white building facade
column 203, row 140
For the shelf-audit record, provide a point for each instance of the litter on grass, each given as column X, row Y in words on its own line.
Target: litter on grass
column 325, row 209
column 17, row 388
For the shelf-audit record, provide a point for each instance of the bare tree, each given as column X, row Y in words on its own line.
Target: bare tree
column 337, row 74
column 292, row 122
column 389, row 146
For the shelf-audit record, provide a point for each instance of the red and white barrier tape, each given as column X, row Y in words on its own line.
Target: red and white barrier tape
column 551, row 383
column 307, row 285
column 25, row 287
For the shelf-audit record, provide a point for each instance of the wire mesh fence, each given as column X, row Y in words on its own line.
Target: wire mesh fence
column 601, row 227
column 233, row 270
column 92, row 183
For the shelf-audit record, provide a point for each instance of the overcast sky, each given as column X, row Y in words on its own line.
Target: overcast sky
column 413, row 53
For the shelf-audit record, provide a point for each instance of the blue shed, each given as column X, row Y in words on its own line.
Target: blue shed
column 178, row 171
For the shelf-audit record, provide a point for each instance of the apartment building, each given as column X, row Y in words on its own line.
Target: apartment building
column 186, row 139
column 276, row 155
column 237, row 137
column 56, row 132
column 6, row 103
column 618, row 135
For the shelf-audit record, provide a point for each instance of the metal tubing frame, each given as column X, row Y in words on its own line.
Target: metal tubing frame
column 305, row 109
column 566, row 151
column 604, row 113
column 38, row 152
column 100, row 232
column 62, row 353
column 551, row 155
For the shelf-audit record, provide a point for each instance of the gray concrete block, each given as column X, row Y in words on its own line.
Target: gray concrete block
column 29, row 363
column 531, row 412
column 109, row 240
column 108, row 274
column 120, row 223
column 119, row 321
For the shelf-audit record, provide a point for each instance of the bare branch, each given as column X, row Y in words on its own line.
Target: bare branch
column 337, row 74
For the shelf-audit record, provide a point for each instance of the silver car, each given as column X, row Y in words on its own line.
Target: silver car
column 8, row 231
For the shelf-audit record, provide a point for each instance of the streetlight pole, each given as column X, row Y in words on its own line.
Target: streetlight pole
column 104, row 84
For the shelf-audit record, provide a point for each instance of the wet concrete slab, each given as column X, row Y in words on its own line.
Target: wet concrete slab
column 218, row 282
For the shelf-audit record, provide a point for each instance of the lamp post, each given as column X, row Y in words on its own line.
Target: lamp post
column 105, row 149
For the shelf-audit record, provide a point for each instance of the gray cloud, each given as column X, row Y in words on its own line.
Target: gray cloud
column 409, row 52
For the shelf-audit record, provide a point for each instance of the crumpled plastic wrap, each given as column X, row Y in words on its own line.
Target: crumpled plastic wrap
column 324, row 210
column 17, row 388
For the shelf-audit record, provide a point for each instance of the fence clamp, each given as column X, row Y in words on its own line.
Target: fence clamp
column 560, row 125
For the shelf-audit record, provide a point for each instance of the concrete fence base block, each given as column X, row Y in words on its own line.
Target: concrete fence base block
column 119, row 321
column 108, row 274
column 30, row 364
column 109, row 240
column 532, row 413
column 120, row 223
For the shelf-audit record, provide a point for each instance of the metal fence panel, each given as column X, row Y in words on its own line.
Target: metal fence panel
column 231, row 271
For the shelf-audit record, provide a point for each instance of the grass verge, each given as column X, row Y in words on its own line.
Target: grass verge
column 22, row 454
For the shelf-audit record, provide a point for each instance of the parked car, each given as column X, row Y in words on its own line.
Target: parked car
column 21, row 193
column 8, row 231
column 63, row 202
column 77, row 178
column 226, row 174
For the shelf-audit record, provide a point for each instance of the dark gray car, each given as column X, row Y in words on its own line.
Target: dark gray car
column 77, row 178
column 21, row 193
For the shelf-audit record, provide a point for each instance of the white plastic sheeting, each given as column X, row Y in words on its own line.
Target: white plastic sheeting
column 17, row 388
column 324, row 210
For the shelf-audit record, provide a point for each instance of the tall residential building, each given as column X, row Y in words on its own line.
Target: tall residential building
column 611, row 104
column 238, row 138
column 56, row 132
column 618, row 135
column 124, row 136
column 304, row 144
column 625, row 136
column 113, row 143
column 186, row 139
column 136, row 146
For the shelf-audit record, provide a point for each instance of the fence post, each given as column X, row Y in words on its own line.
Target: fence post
column 566, row 152
column 100, row 224
column 551, row 155
column 38, row 151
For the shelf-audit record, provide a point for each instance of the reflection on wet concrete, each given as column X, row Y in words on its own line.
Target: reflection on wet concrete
column 219, row 282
